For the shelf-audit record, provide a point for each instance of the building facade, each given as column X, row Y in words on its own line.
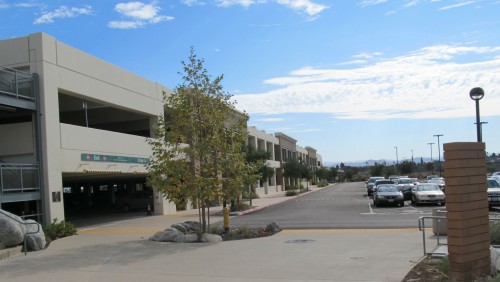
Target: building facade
column 74, row 133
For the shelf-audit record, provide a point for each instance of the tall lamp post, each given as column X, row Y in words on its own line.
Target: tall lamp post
column 432, row 161
column 439, row 153
column 397, row 161
column 477, row 94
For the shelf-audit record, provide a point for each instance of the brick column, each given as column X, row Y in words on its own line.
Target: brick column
column 467, row 210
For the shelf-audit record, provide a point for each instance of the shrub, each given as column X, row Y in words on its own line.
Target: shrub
column 322, row 184
column 291, row 193
column 57, row 230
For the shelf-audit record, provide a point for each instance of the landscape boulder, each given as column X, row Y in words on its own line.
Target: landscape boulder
column 211, row 238
column 168, row 235
column 36, row 241
column 273, row 227
column 11, row 231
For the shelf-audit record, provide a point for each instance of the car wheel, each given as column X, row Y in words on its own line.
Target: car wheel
column 402, row 204
column 375, row 203
column 126, row 208
column 412, row 201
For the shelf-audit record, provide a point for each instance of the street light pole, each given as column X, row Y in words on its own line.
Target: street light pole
column 432, row 162
column 397, row 161
column 477, row 94
column 439, row 153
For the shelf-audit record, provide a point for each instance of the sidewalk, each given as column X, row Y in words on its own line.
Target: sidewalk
column 120, row 251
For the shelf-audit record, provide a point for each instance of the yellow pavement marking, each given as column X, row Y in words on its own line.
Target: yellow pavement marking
column 117, row 231
column 290, row 231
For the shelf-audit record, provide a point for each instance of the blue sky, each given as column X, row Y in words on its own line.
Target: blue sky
column 352, row 78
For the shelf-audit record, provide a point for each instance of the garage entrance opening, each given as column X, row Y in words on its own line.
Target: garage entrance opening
column 99, row 199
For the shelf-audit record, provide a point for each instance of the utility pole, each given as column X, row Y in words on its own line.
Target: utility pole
column 439, row 153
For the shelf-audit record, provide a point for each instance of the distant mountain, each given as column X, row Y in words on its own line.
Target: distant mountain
column 372, row 162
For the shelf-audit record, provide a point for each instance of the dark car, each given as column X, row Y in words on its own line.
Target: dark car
column 380, row 182
column 405, row 185
column 371, row 183
column 137, row 200
column 388, row 194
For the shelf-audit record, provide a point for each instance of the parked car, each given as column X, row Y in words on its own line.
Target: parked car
column 496, row 177
column 388, row 194
column 427, row 193
column 380, row 182
column 371, row 183
column 429, row 177
column 439, row 181
column 405, row 185
column 493, row 192
column 495, row 173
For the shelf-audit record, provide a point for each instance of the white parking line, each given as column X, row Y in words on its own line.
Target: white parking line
column 370, row 207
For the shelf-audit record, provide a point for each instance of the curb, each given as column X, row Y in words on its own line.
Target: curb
column 10, row 252
column 286, row 198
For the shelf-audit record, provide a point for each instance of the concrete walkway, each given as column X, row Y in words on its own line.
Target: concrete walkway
column 120, row 251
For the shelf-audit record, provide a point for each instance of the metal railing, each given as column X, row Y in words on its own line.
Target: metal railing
column 19, row 178
column 16, row 84
column 26, row 233
column 421, row 227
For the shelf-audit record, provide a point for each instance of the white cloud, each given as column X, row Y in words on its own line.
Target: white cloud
column 192, row 2
column 426, row 83
column 307, row 7
column 458, row 5
column 270, row 119
column 365, row 3
column 303, row 6
column 138, row 14
column 244, row 3
column 63, row 12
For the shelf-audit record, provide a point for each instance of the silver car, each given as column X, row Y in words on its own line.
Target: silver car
column 493, row 193
column 388, row 194
column 427, row 193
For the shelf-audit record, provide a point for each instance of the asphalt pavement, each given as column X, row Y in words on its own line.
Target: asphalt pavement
column 120, row 251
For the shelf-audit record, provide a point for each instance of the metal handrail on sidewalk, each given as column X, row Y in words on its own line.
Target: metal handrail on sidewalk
column 26, row 232
column 421, row 227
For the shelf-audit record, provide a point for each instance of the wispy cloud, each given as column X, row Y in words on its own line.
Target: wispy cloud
column 307, row 7
column 458, row 5
column 303, row 6
column 427, row 83
column 270, row 119
column 138, row 15
column 366, row 3
column 63, row 12
column 192, row 2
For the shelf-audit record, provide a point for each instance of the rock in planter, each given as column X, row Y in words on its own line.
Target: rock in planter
column 35, row 242
column 180, row 227
column 273, row 227
column 168, row 235
column 211, row 238
column 11, row 231
column 191, row 238
column 192, row 226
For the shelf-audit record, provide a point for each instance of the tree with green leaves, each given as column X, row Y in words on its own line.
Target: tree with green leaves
column 293, row 170
column 257, row 159
column 197, row 152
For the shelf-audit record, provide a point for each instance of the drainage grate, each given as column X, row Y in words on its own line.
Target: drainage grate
column 299, row 241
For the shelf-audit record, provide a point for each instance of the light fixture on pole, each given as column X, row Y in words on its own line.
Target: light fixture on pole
column 397, row 160
column 432, row 161
column 477, row 94
column 439, row 153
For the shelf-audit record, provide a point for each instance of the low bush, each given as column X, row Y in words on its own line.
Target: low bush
column 57, row 230
column 291, row 193
column 322, row 184
column 495, row 233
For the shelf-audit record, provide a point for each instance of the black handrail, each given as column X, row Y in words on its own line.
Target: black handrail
column 26, row 232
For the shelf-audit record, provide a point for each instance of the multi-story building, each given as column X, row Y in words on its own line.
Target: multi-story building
column 74, row 130
column 260, row 140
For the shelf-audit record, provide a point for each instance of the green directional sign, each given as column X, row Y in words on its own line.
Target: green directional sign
column 113, row 159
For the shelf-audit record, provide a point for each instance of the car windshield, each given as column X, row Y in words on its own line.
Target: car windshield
column 405, row 181
column 428, row 188
column 384, row 188
column 493, row 184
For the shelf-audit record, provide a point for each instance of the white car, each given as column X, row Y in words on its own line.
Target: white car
column 427, row 193
column 493, row 192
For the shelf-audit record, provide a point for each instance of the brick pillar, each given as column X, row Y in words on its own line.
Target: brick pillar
column 467, row 210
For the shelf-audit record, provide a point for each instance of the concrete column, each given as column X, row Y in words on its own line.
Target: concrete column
column 467, row 207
